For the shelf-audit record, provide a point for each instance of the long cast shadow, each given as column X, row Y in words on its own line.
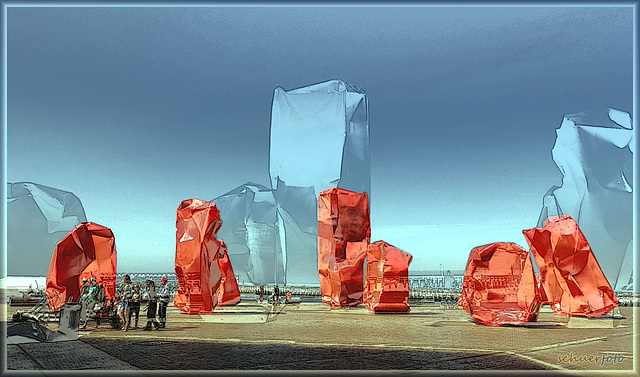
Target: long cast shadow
column 179, row 355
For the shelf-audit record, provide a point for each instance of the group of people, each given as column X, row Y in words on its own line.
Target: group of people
column 92, row 299
column 129, row 297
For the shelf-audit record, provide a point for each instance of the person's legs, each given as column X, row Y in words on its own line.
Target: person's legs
column 155, row 321
column 126, row 316
column 134, row 311
column 163, row 314
column 151, row 316
column 83, row 313
column 147, row 327
column 120, row 313
column 137, row 313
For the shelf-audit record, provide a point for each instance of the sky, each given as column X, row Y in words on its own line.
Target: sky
column 136, row 109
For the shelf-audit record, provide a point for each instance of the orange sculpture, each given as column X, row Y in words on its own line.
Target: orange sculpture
column 500, row 286
column 543, row 295
column 571, row 276
column 88, row 250
column 197, row 251
column 227, row 292
column 344, row 231
column 386, row 285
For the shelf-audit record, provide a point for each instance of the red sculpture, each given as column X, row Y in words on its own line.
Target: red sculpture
column 344, row 231
column 227, row 292
column 88, row 250
column 571, row 276
column 197, row 250
column 386, row 285
column 543, row 295
column 500, row 285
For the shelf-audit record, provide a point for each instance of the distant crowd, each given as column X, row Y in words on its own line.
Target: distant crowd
column 275, row 297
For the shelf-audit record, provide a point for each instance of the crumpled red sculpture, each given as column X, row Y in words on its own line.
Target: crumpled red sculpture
column 226, row 291
column 344, row 232
column 197, row 251
column 543, row 295
column 386, row 286
column 500, row 286
column 88, row 250
column 571, row 275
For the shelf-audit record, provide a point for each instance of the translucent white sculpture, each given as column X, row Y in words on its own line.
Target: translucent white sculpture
column 38, row 217
column 319, row 139
column 594, row 152
column 248, row 228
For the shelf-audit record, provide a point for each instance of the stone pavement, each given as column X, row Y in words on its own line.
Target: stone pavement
column 313, row 336
column 66, row 355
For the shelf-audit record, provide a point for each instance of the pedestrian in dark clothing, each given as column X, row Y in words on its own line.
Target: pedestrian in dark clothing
column 102, row 298
column 83, row 301
column 151, row 308
column 85, row 288
column 134, row 304
column 163, row 301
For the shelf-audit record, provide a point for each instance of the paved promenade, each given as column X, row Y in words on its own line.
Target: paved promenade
column 313, row 336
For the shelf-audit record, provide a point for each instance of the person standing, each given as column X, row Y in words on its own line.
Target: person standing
column 119, row 308
column 92, row 298
column 102, row 297
column 135, row 304
column 151, row 308
column 85, row 288
column 93, row 293
column 127, row 295
column 163, row 299
column 83, row 301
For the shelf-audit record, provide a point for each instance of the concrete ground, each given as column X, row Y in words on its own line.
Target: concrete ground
column 313, row 336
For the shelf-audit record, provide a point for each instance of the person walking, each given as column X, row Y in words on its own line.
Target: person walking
column 152, row 306
column 134, row 304
column 163, row 301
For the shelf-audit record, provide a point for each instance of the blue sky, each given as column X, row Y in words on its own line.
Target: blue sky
column 136, row 109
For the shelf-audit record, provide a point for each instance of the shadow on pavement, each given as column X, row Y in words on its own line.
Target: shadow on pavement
column 176, row 355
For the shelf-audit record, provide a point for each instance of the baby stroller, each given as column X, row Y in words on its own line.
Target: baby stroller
column 107, row 313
